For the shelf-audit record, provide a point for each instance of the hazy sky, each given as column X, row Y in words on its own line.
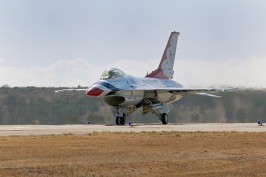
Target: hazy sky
column 70, row 43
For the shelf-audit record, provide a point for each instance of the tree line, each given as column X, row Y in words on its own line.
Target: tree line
column 35, row 105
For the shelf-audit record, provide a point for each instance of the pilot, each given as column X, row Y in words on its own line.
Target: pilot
column 110, row 73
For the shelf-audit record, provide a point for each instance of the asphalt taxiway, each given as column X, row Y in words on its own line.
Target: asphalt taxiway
column 16, row 130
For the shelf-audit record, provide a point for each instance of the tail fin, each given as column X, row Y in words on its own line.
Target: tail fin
column 165, row 69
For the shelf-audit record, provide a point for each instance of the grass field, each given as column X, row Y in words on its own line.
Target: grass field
column 135, row 154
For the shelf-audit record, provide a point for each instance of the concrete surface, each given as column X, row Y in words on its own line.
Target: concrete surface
column 8, row 130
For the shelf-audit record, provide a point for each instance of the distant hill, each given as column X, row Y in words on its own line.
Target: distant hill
column 34, row 105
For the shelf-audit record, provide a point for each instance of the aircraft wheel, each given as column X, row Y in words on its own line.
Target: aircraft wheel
column 123, row 121
column 164, row 118
column 118, row 120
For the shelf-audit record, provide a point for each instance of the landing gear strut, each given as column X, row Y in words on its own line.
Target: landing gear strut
column 164, row 118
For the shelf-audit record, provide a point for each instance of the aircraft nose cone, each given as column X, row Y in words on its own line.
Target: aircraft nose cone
column 94, row 91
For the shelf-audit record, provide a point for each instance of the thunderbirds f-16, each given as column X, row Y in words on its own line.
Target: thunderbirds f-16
column 125, row 93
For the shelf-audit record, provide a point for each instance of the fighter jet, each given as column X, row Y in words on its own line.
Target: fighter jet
column 126, row 93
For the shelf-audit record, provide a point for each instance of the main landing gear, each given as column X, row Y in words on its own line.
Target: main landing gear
column 160, row 110
column 164, row 118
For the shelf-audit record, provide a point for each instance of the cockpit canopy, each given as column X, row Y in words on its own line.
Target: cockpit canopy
column 112, row 73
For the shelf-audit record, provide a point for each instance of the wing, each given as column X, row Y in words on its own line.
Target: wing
column 198, row 91
column 70, row 89
column 182, row 90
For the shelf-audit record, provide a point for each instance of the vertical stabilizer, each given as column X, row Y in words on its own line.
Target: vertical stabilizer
column 165, row 69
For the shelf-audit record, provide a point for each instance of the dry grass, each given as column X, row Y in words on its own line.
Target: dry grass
column 135, row 154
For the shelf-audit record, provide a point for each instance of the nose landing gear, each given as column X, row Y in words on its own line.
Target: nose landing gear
column 120, row 120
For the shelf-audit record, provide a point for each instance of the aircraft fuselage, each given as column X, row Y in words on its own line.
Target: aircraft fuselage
column 133, row 90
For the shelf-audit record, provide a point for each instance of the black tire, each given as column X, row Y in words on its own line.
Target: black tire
column 164, row 118
column 123, row 121
column 118, row 120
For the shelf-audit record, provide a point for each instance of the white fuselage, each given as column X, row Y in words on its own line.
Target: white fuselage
column 130, row 90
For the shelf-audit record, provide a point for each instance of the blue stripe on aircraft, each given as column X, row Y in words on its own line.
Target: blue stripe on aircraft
column 109, row 86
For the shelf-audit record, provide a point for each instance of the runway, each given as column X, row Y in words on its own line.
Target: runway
column 17, row 130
